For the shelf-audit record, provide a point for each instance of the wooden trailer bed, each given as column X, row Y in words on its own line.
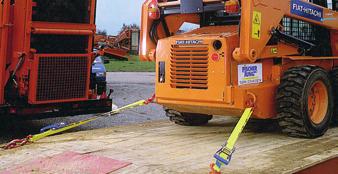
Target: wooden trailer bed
column 162, row 147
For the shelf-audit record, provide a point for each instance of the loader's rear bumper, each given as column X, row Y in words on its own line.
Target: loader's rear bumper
column 232, row 103
column 202, row 107
column 62, row 109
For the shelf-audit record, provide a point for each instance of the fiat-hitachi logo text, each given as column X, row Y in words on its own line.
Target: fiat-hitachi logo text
column 307, row 10
column 188, row 42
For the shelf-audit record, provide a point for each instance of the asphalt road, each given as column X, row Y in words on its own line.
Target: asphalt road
column 128, row 88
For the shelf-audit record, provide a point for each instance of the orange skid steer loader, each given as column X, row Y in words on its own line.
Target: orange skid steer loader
column 280, row 57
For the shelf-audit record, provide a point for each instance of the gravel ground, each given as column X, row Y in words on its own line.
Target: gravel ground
column 128, row 88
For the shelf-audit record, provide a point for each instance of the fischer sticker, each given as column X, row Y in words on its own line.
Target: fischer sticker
column 256, row 25
column 306, row 10
column 250, row 74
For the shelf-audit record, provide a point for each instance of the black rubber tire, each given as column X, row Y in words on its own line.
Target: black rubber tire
column 187, row 119
column 292, row 102
column 334, row 79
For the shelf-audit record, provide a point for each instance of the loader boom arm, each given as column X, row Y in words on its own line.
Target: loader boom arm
column 259, row 17
column 258, row 20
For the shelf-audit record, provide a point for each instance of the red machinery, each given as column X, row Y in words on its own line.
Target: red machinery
column 46, row 56
column 106, row 46
column 128, row 39
column 120, row 46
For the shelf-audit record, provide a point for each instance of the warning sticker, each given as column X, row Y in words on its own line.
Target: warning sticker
column 274, row 50
column 250, row 74
column 256, row 25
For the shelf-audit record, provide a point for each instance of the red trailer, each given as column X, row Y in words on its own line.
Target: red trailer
column 46, row 57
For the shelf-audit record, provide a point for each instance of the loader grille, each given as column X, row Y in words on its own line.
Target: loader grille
column 189, row 66
column 62, row 78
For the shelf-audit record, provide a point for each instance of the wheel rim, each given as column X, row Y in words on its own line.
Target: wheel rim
column 317, row 102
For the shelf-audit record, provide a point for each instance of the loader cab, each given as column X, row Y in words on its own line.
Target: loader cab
column 169, row 15
column 209, row 13
column 197, row 12
column 310, row 33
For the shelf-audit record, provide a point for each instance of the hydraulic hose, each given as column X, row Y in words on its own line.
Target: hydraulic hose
column 153, row 31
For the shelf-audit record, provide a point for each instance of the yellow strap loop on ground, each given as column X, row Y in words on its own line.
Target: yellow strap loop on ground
column 53, row 132
column 34, row 138
column 77, row 124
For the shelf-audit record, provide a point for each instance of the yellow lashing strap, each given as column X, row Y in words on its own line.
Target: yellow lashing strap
column 34, row 138
column 37, row 137
column 131, row 106
column 223, row 156
column 77, row 124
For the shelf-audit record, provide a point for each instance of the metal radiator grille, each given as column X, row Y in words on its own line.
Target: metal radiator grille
column 62, row 78
column 189, row 66
column 67, row 11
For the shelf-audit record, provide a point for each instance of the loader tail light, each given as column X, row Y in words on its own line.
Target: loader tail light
column 154, row 10
column 215, row 57
column 232, row 6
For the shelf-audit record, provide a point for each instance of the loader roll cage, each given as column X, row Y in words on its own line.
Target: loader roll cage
column 205, row 7
column 305, row 35
column 191, row 6
column 211, row 13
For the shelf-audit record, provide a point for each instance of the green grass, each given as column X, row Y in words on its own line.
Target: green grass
column 133, row 65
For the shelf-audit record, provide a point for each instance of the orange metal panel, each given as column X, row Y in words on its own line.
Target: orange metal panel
column 118, row 52
column 327, row 167
column 65, row 26
column 278, row 50
column 177, row 2
column 272, row 13
column 174, row 22
column 62, row 31
column 4, row 25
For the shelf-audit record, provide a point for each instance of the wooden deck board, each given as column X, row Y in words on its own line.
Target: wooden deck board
column 162, row 147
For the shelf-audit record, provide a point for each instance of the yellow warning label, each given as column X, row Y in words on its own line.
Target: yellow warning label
column 274, row 50
column 256, row 25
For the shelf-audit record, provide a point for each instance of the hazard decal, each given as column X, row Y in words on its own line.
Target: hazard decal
column 256, row 25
